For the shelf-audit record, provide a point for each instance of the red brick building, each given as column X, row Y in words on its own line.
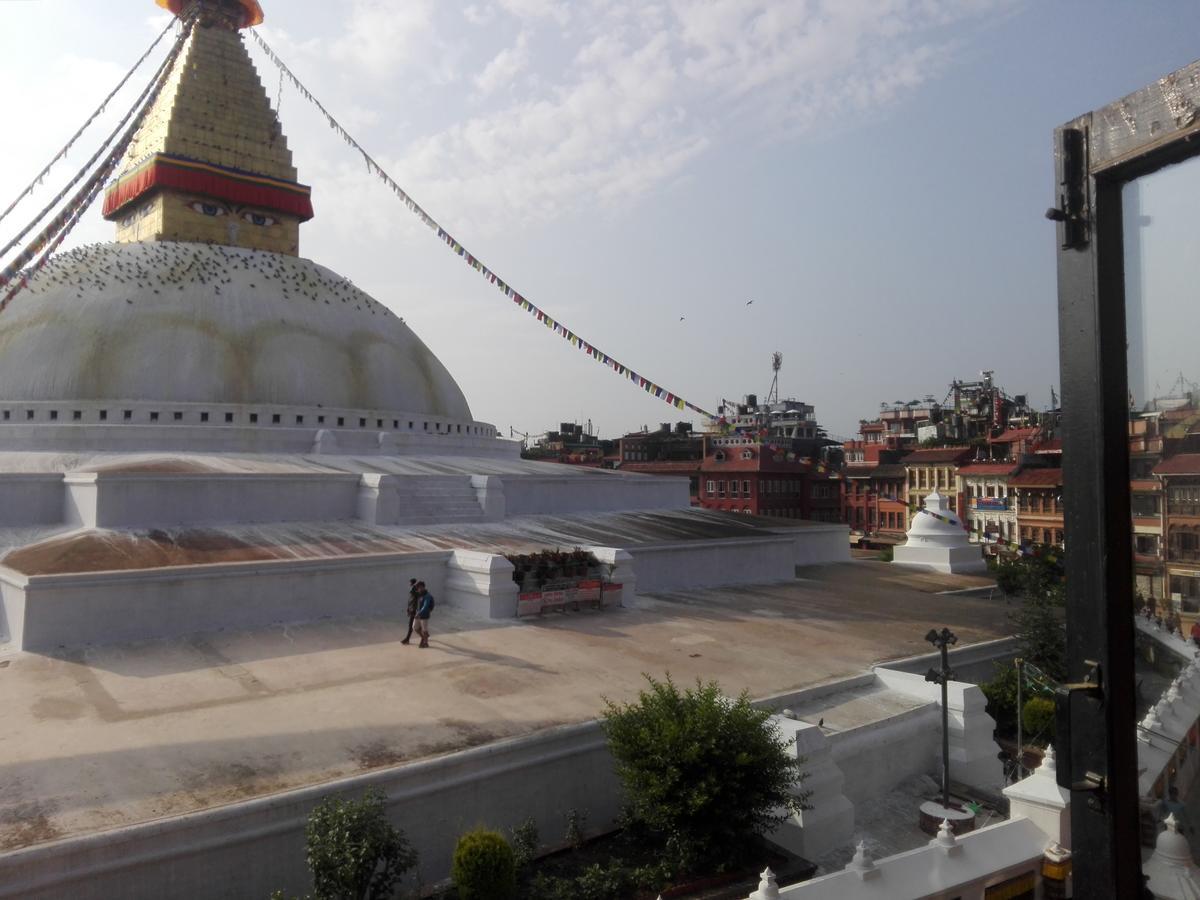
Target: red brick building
column 742, row 474
column 1039, row 506
column 873, row 503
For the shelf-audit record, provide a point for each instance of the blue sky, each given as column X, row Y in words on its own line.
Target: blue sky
column 871, row 174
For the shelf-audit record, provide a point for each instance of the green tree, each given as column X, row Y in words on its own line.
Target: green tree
column 484, row 867
column 1042, row 635
column 354, row 853
column 702, row 772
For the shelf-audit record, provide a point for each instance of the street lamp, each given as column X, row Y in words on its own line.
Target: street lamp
column 943, row 640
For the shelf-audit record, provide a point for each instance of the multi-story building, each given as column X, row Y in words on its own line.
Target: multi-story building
column 934, row 469
column 873, row 503
column 667, row 451
column 1146, row 500
column 991, row 515
column 1038, row 494
column 1180, row 478
column 759, row 477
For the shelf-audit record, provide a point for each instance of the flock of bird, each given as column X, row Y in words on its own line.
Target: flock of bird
column 153, row 267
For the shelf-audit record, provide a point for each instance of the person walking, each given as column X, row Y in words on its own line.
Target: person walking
column 424, row 609
column 413, row 599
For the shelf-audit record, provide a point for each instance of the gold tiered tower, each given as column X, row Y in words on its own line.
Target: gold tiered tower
column 210, row 163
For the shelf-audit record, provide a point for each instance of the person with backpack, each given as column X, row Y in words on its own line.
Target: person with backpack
column 414, row 596
column 424, row 609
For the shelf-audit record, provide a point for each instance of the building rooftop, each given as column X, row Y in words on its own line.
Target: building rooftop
column 1038, row 478
column 936, row 455
column 1180, row 464
column 988, row 468
column 107, row 736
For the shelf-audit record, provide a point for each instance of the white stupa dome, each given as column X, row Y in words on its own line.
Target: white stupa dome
column 936, row 540
column 177, row 322
column 936, row 525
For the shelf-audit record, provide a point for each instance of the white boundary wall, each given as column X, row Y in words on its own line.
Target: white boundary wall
column 252, row 848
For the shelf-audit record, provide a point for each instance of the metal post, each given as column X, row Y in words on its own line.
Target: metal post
column 1020, row 771
column 943, row 640
column 945, row 726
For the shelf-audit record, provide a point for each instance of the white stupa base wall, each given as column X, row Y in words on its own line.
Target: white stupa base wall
column 829, row 824
column 965, row 560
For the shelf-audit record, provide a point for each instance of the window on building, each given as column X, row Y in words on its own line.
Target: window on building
column 746, row 488
column 710, row 487
column 720, row 488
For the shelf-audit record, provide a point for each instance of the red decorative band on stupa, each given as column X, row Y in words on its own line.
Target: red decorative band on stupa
column 251, row 13
column 209, row 180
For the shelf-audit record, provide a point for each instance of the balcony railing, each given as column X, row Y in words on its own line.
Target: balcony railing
column 1183, row 509
column 1177, row 555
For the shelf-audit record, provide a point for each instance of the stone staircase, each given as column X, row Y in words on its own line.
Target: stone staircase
column 438, row 500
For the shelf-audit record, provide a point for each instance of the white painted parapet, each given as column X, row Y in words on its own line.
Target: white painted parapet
column 378, row 500
column 812, row 833
column 619, row 569
column 489, row 493
column 481, row 584
column 1043, row 802
column 974, row 756
column 31, row 499
column 1008, row 854
column 43, row 612
column 146, row 499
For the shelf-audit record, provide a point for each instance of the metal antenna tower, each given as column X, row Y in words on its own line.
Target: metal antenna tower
column 776, row 365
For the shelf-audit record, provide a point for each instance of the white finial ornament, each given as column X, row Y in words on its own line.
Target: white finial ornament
column 767, row 888
column 1049, row 766
column 863, row 863
column 945, row 836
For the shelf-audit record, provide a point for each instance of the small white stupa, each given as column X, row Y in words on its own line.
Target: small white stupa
column 936, row 540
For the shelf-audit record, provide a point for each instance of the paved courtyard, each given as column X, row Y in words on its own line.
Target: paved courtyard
column 115, row 735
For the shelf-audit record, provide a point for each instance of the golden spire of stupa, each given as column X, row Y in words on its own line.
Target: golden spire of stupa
column 210, row 162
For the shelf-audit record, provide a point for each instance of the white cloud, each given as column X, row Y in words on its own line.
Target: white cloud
column 536, row 9
column 384, row 35
column 505, row 66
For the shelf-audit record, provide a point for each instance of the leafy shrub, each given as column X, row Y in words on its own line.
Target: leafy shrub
column 525, row 840
column 576, row 822
column 484, row 867
column 353, row 852
column 703, row 772
column 1001, row 694
column 1037, row 719
column 887, row 554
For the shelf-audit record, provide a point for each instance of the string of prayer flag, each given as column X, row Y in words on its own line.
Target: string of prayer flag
column 471, row 259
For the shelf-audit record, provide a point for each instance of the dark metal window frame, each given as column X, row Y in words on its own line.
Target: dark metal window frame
column 1095, row 155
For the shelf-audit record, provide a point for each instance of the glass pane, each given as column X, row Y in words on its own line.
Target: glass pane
column 1163, row 326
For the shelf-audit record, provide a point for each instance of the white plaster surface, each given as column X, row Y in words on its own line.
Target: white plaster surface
column 178, row 322
column 965, row 869
column 110, row 737
column 937, row 541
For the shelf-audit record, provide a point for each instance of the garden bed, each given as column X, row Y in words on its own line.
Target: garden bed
column 587, row 873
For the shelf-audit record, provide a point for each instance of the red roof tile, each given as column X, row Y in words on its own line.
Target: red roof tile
column 988, row 468
column 1014, row 434
column 1179, row 464
column 1037, row 478
column 1053, row 445
column 936, row 455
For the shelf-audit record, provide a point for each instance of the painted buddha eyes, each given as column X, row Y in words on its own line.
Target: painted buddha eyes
column 208, row 209
column 205, row 208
